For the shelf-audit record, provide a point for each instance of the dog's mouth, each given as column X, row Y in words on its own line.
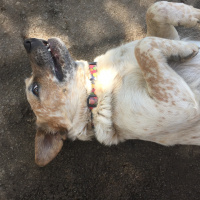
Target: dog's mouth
column 51, row 54
column 52, row 46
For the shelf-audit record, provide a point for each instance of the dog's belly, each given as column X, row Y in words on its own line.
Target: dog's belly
column 137, row 116
column 157, row 125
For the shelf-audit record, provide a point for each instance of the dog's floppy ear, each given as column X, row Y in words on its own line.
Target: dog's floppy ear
column 47, row 146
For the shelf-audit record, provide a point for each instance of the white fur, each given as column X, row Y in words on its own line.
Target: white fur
column 126, row 108
column 133, row 111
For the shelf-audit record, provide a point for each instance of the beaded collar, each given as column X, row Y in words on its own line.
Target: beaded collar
column 92, row 99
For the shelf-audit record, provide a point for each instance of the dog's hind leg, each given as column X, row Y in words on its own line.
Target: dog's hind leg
column 162, row 17
column 163, row 83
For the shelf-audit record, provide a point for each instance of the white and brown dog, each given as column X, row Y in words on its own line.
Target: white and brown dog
column 147, row 89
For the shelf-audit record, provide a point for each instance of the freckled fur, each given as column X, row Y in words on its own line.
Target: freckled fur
column 147, row 89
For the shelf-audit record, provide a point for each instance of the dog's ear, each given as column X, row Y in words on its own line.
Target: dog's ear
column 47, row 146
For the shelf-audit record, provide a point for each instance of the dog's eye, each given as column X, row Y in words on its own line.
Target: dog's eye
column 35, row 89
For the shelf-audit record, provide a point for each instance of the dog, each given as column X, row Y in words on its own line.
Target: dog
column 147, row 89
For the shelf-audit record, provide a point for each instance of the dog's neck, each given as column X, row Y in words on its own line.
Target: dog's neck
column 81, row 122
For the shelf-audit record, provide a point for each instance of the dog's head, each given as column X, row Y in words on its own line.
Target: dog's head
column 48, row 94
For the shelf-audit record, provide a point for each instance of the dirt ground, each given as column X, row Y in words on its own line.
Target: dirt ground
column 82, row 170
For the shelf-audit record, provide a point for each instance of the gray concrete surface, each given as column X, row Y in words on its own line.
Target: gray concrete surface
column 83, row 170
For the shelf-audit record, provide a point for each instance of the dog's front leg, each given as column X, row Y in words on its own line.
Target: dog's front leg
column 162, row 16
column 104, row 130
column 164, row 85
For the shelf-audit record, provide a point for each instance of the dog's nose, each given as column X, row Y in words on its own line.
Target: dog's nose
column 27, row 45
column 30, row 43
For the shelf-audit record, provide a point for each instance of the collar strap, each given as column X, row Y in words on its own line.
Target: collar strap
column 92, row 99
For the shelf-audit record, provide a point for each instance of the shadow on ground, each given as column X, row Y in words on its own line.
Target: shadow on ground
column 83, row 170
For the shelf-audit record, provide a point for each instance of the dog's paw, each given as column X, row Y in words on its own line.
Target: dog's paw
column 107, row 136
column 185, row 15
column 188, row 16
column 195, row 16
column 190, row 50
column 187, row 52
column 176, row 14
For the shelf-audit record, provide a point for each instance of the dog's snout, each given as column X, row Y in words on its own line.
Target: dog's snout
column 31, row 43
